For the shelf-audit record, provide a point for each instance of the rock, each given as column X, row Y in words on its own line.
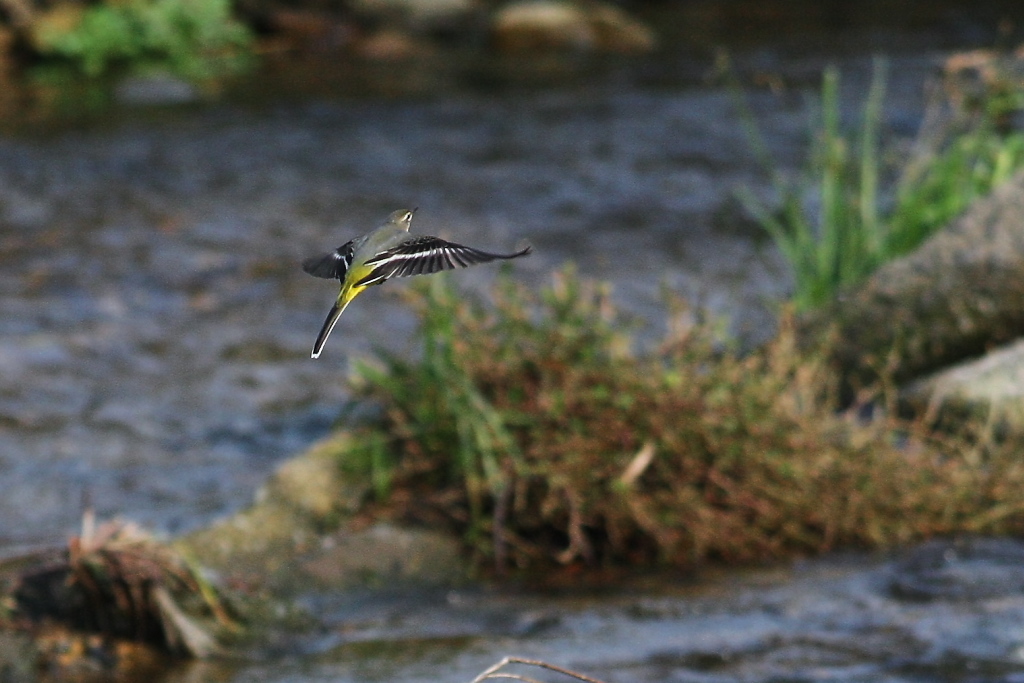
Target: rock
column 990, row 387
column 555, row 24
column 389, row 44
column 311, row 484
column 530, row 25
column 261, row 542
column 385, row 553
column 963, row 569
column 421, row 14
column 616, row 31
column 957, row 296
column 156, row 89
column 310, row 30
column 294, row 535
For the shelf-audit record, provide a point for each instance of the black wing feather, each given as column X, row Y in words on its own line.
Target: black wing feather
column 332, row 266
column 426, row 255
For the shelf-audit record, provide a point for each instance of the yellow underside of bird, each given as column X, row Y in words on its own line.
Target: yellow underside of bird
column 345, row 297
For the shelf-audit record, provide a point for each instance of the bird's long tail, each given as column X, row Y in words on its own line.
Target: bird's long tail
column 332, row 318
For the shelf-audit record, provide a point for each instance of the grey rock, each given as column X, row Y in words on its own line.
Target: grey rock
column 156, row 89
column 554, row 24
column 957, row 296
column 990, row 388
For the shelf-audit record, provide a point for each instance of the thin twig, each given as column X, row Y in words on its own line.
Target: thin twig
column 579, row 545
column 638, row 465
column 501, row 514
column 492, row 672
column 489, row 670
column 515, row 677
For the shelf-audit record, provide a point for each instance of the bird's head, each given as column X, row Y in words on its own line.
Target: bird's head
column 402, row 217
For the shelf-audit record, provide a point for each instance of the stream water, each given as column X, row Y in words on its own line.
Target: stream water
column 948, row 612
column 156, row 329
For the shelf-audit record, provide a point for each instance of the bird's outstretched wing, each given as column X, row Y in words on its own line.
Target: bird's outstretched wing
column 425, row 255
column 332, row 266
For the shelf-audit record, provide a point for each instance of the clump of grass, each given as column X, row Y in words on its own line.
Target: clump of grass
column 937, row 189
column 197, row 39
column 841, row 239
column 536, row 428
column 849, row 227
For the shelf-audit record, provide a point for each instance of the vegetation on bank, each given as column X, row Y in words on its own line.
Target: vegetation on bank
column 196, row 39
column 539, row 428
column 207, row 40
column 835, row 225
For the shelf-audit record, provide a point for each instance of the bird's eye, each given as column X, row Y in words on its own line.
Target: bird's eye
column 408, row 216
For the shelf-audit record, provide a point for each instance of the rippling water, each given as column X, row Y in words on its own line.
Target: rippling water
column 948, row 612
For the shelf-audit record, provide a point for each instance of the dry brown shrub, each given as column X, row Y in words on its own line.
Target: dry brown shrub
column 536, row 428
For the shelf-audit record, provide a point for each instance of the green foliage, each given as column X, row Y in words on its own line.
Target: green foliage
column 941, row 187
column 840, row 242
column 848, row 230
column 439, row 403
column 198, row 39
column 533, row 426
column 441, row 406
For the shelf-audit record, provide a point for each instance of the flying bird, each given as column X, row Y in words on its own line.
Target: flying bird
column 383, row 253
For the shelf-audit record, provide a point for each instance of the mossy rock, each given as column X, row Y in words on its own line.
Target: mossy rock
column 960, row 294
column 296, row 535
